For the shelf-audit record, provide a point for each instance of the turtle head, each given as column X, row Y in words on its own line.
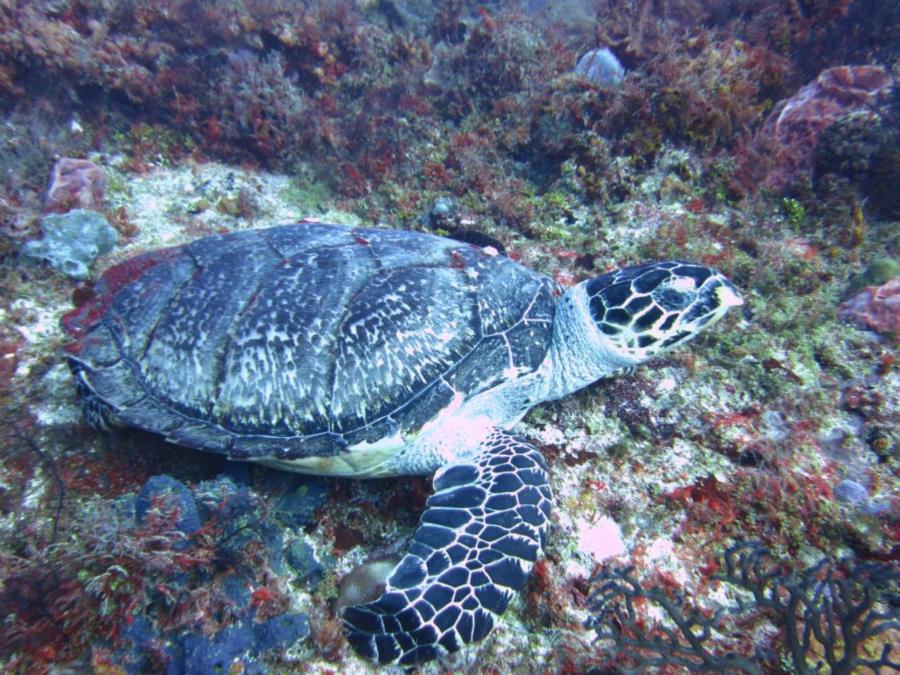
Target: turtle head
column 648, row 309
column 620, row 319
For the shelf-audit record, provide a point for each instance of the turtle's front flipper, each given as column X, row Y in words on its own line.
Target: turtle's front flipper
column 480, row 535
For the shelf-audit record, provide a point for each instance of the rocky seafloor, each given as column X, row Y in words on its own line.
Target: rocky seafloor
column 121, row 553
column 750, row 433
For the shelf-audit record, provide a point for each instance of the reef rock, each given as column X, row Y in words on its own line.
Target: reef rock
column 72, row 241
column 864, row 149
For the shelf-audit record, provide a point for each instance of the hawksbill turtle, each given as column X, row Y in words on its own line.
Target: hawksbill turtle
column 345, row 351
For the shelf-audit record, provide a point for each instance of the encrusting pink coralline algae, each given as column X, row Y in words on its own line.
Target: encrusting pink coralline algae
column 794, row 125
column 875, row 308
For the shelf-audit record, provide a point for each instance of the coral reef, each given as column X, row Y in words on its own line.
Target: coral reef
column 175, row 578
column 467, row 119
column 266, row 108
column 643, row 27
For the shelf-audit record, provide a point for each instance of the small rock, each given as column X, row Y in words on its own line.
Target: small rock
column 851, row 492
column 233, row 649
column 601, row 68
column 875, row 308
column 282, row 631
column 298, row 506
column 225, row 498
column 75, row 183
column 72, row 241
column 236, row 589
column 139, row 640
column 272, row 538
column 166, row 487
column 302, row 559
column 876, row 506
column 776, row 428
column 857, row 495
column 204, row 655
column 240, row 473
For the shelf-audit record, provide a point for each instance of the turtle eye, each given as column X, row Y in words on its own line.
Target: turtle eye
column 673, row 299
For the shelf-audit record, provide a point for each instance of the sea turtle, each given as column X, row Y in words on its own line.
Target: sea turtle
column 346, row 351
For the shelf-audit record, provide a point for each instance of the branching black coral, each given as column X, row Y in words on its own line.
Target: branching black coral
column 684, row 639
column 824, row 615
column 30, row 444
column 829, row 610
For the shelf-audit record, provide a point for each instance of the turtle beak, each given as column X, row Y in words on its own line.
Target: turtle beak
column 721, row 296
column 728, row 295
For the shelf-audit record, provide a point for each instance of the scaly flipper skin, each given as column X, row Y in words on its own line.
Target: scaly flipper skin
column 483, row 529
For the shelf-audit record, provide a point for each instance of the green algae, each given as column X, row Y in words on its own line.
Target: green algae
column 878, row 272
column 306, row 195
column 795, row 213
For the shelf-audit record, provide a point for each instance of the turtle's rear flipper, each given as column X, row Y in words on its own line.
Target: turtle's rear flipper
column 97, row 413
column 480, row 535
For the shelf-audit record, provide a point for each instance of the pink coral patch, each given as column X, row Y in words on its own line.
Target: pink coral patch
column 875, row 308
column 794, row 126
column 75, row 183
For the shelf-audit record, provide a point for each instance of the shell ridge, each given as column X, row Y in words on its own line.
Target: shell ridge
column 331, row 376
column 270, row 244
column 359, row 236
column 206, row 290
column 228, row 343
column 140, row 358
column 433, row 351
column 317, row 247
column 340, row 344
column 522, row 320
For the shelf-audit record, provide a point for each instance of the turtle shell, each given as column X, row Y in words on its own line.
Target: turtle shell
column 304, row 340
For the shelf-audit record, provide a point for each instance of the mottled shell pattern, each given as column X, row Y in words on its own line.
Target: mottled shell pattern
column 304, row 340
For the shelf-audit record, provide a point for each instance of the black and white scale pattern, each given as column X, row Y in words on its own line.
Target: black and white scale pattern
column 304, row 339
column 654, row 306
column 482, row 531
